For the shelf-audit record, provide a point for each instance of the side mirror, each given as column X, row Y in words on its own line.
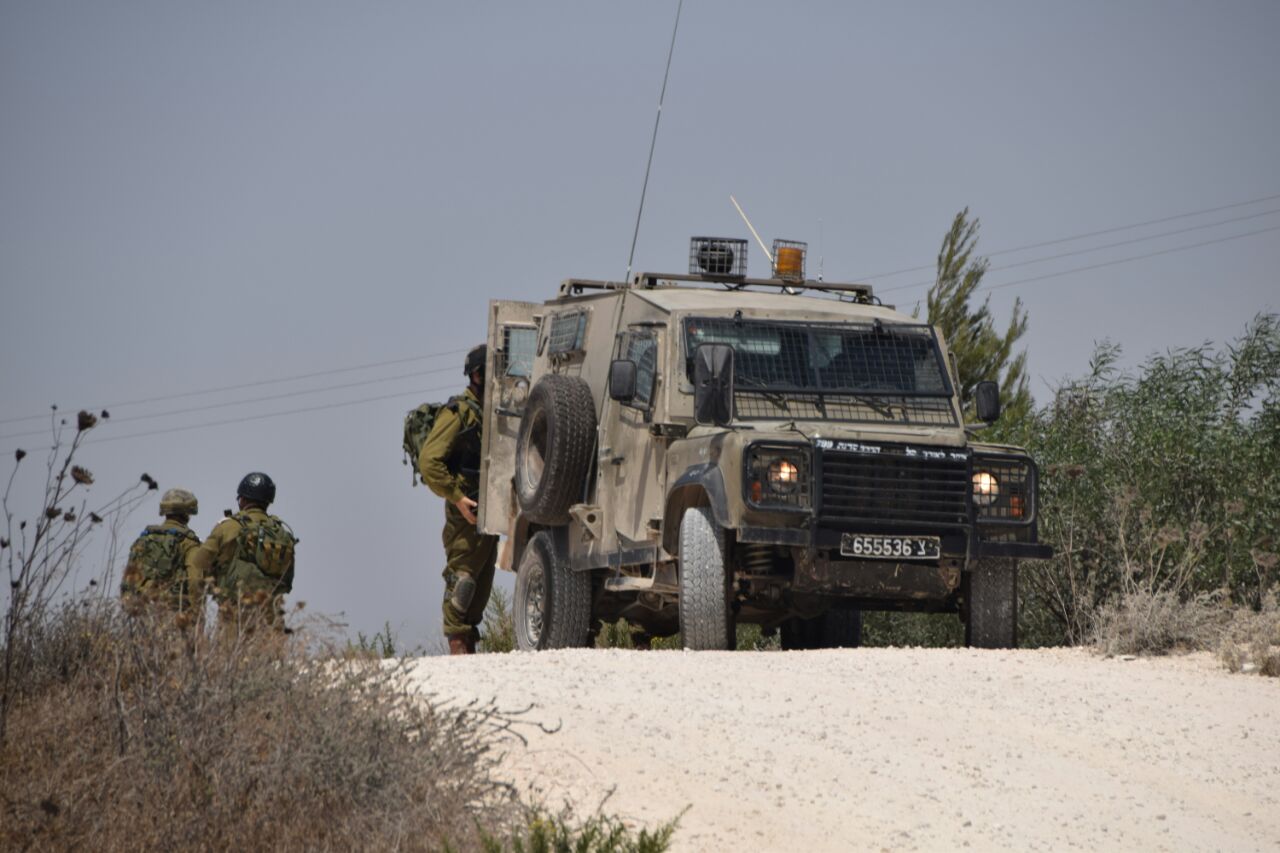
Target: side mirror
column 713, row 384
column 986, row 401
column 622, row 380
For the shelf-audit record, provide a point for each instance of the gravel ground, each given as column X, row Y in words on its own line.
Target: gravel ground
column 896, row 749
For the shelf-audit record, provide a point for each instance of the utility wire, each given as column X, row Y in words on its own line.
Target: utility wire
column 1101, row 233
column 245, row 402
column 1104, row 263
column 1091, row 249
column 254, row 384
column 229, row 421
column 345, row 403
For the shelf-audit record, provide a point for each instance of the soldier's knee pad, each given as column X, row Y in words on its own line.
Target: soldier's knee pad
column 463, row 592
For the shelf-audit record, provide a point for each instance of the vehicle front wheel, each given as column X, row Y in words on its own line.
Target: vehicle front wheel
column 552, row 607
column 706, row 612
column 991, row 604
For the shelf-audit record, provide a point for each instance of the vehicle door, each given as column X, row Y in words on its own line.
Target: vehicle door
column 633, row 472
column 513, row 340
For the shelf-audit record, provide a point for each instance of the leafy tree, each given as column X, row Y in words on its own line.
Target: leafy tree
column 981, row 352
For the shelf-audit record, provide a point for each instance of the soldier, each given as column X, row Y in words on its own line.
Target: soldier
column 157, row 566
column 450, row 466
column 248, row 558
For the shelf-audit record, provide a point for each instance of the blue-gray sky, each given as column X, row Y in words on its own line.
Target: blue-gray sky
column 195, row 195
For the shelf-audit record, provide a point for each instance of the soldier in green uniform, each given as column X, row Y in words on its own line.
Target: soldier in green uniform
column 157, row 567
column 450, row 465
column 248, row 558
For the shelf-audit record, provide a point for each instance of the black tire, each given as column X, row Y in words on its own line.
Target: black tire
column 835, row 629
column 553, row 450
column 991, row 605
column 706, row 612
column 552, row 606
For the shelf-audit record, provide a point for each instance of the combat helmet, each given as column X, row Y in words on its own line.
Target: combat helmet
column 475, row 359
column 257, row 487
column 178, row 502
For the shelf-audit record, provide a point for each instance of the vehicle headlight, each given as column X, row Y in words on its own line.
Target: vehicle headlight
column 784, row 476
column 776, row 476
column 986, row 488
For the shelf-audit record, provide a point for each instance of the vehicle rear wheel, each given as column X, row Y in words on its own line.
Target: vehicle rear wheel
column 991, row 603
column 835, row 629
column 552, row 602
column 553, row 449
column 706, row 612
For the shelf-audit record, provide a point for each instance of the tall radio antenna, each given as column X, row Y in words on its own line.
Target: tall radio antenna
column 654, row 141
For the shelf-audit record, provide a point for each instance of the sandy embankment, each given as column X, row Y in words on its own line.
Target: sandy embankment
column 897, row 749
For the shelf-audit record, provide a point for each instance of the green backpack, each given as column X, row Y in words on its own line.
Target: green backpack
column 263, row 558
column 155, row 560
column 417, row 426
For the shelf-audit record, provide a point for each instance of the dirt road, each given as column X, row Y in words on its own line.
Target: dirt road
column 898, row 749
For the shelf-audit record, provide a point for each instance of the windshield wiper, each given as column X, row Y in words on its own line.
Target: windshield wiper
column 758, row 387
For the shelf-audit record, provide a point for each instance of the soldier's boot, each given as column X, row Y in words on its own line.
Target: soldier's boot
column 458, row 644
column 471, row 639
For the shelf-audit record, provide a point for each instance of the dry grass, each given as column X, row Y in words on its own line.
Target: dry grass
column 1251, row 639
column 1246, row 640
column 133, row 733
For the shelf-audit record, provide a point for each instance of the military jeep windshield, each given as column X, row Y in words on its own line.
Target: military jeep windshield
column 860, row 372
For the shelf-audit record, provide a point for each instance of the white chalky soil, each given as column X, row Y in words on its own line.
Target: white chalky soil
column 896, row 749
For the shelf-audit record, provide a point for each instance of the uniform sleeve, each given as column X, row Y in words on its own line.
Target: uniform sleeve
column 195, row 578
column 202, row 559
column 435, row 450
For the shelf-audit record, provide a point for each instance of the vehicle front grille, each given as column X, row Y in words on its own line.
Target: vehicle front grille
column 895, row 486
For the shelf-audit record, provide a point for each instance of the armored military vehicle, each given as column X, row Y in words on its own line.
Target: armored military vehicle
column 692, row 451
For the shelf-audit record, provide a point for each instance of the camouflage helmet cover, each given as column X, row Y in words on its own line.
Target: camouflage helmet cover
column 178, row 502
column 475, row 359
column 257, row 487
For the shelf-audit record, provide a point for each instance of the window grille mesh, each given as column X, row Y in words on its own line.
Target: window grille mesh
column 516, row 356
column 568, row 332
column 871, row 358
column 642, row 348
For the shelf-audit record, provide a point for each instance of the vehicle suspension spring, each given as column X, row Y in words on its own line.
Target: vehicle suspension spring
column 758, row 559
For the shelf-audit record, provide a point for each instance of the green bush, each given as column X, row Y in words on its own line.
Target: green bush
column 499, row 634
column 564, row 833
column 1161, row 480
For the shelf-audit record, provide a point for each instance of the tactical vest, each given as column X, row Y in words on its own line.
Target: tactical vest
column 263, row 560
column 464, row 457
column 156, row 566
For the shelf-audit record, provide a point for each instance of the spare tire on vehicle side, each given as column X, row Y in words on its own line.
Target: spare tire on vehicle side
column 553, row 449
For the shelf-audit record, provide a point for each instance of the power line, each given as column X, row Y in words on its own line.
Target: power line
column 254, row 384
column 1101, row 233
column 245, row 402
column 1090, row 249
column 248, row 418
column 1110, row 263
